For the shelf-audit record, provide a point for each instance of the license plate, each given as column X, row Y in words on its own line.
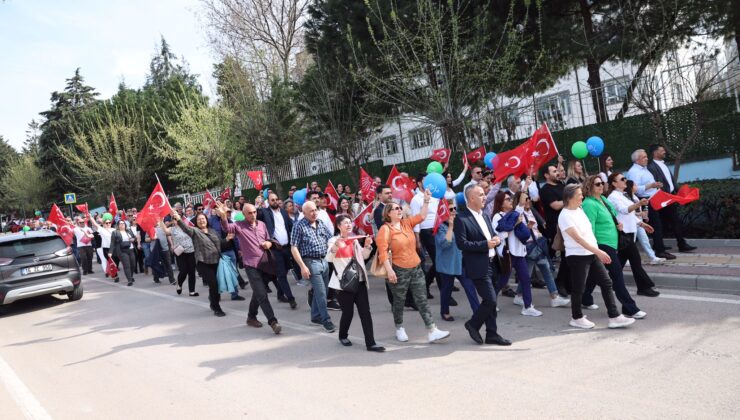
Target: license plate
column 36, row 269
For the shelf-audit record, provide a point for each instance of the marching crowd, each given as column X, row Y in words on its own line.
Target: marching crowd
column 567, row 233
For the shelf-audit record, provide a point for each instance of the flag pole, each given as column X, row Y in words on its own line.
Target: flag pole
column 165, row 194
column 553, row 138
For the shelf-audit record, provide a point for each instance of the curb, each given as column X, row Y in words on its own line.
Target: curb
column 702, row 283
column 706, row 242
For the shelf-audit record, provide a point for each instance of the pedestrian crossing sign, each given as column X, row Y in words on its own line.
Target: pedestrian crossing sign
column 70, row 198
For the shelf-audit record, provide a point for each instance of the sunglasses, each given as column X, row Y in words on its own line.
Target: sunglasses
column 622, row 179
column 453, row 209
column 477, row 172
column 598, row 184
column 395, row 208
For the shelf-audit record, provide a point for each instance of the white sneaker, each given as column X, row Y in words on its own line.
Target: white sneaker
column 401, row 335
column 559, row 301
column 581, row 323
column 531, row 311
column 518, row 300
column 657, row 260
column 591, row 307
column 639, row 315
column 620, row 322
column 437, row 334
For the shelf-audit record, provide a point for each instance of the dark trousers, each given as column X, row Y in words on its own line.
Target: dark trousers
column 208, row 272
column 486, row 313
column 86, row 258
column 139, row 260
column 259, row 295
column 563, row 278
column 616, row 273
column 348, row 301
column 447, row 281
column 518, row 264
column 588, row 269
column 631, row 254
column 167, row 262
column 665, row 218
column 283, row 262
column 128, row 260
column 186, row 268
column 427, row 241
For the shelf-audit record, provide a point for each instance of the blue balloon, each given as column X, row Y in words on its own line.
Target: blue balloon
column 488, row 159
column 460, row 198
column 436, row 183
column 595, row 146
column 299, row 197
column 265, row 193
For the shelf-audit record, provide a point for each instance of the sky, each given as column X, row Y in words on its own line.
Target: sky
column 42, row 42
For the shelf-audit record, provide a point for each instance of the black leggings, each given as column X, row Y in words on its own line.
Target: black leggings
column 631, row 254
column 583, row 267
column 347, row 302
column 208, row 272
column 186, row 268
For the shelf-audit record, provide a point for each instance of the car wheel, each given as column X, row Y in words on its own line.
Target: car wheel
column 76, row 294
column 4, row 309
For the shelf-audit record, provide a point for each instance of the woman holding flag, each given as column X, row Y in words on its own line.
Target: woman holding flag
column 346, row 253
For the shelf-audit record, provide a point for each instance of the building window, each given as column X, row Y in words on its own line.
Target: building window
column 615, row 90
column 553, row 109
column 420, row 138
column 387, row 146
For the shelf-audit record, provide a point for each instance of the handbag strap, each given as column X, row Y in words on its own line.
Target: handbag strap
column 614, row 219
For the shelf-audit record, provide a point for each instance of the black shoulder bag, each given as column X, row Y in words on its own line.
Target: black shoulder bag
column 351, row 278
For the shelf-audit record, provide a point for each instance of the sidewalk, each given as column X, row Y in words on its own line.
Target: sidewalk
column 714, row 266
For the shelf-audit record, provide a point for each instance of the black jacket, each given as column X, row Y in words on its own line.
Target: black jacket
column 115, row 242
column 660, row 176
column 473, row 244
column 265, row 215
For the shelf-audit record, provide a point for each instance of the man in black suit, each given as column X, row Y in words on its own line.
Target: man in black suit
column 279, row 225
column 666, row 217
column 475, row 236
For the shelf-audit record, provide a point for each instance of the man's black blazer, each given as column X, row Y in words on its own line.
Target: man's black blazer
column 265, row 214
column 473, row 244
column 660, row 176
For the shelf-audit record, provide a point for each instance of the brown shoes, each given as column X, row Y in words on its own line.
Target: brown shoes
column 253, row 322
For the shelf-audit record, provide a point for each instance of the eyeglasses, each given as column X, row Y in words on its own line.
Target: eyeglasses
column 507, row 199
column 598, row 184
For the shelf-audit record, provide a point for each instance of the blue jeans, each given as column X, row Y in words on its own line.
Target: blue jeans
column 629, row 307
column 522, row 274
column 319, row 281
column 543, row 264
column 645, row 242
column 447, row 281
column 147, row 250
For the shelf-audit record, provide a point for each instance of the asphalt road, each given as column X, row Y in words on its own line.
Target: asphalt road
column 145, row 353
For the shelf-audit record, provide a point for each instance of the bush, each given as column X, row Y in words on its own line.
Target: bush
column 717, row 213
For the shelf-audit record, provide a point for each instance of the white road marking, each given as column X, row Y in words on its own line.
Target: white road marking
column 701, row 299
column 29, row 405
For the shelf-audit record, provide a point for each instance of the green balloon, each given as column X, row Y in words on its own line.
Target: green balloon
column 239, row 217
column 37, row 213
column 107, row 216
column 434, row 167
column 26, row 228
column 579, row 150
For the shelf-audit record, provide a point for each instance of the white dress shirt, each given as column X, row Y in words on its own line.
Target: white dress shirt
column 624, row 216
column 666, row 172
column 641, row 177
column 281, row 234
column 478, row 215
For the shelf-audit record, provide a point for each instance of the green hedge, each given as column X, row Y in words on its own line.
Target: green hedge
column 716, row 214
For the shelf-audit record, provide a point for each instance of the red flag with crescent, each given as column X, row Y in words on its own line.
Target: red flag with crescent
column 225, row 194
column 333, row 203
column 363, row 221
column 476, row 155
column 82, row 208
column 401, row 186
column 441, row 155
column 112, row 207
column 511, row 162
column 208, row 201
column 256, row 177
column 684, row 195
column 367, row 186
column 155, row 207
column 443, row 214
column 542, row 149
column 64, row 228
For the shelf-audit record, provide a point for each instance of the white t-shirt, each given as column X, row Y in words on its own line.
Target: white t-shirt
column 80, row 232
column 417, row 203
column 578, row 220
column 105, row 237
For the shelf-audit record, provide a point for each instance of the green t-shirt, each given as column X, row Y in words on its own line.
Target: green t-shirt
column 601, row 220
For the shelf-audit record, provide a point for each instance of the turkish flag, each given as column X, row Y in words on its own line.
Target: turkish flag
column 476, row 155
column 110, row 268
column 511, row 162
column 208, row 201
column 443, row 214
column 401, row 186
column 367, row 186
column 363, row 221
column 157, row 206
column 225, row 194
column 684, row 195
column 542, row 149
column 333, row 203
column 82, row 208
column 441, row 155
column 348, row 250
column 112, row 207
column 64, row 228
column 256, row 177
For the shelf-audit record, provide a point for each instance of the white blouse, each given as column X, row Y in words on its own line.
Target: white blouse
column 627, row 218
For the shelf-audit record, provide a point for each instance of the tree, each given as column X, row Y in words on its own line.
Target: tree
column 264, row 34
column 25, row 186
column 31, row 144
column 7, row 154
